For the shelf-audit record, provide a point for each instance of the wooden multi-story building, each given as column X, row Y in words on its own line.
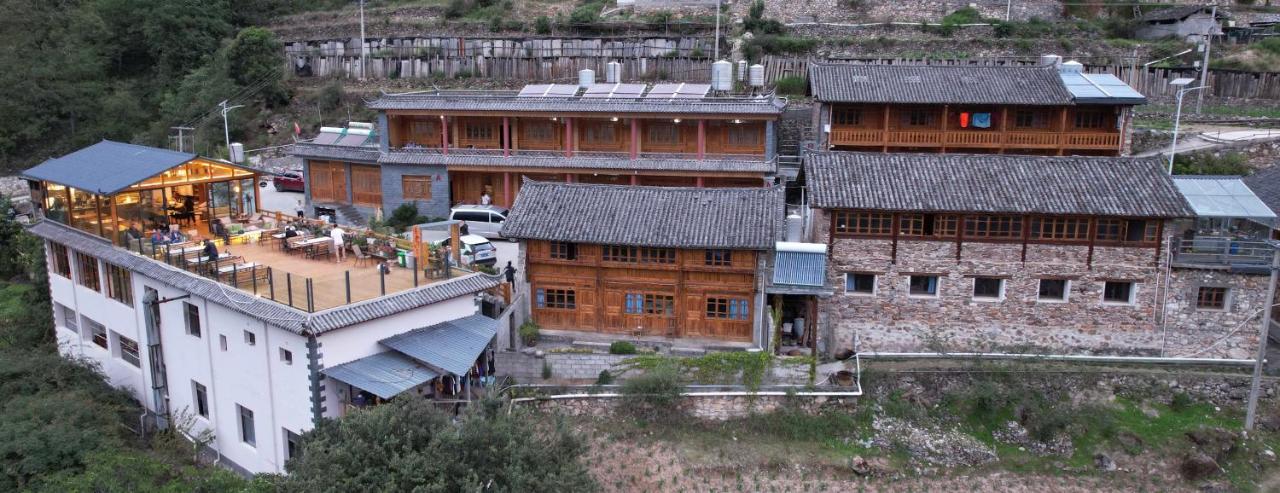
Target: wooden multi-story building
column 1026, row 254
column 1050, row 109
column 647, row 261
column 442, row 148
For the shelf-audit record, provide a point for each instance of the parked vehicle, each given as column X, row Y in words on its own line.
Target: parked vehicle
column 288, row 181
column 476, row 249
column 483, row 220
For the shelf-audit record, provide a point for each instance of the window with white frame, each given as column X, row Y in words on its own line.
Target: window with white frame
column 1053, row 290
column 1118, row 292
column 988, row 288
column 95, row 332
column 923, row 285
column 861, row 283
column 247, row 433
column 127, row 350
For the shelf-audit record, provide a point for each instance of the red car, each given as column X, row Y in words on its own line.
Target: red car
column 287, row 182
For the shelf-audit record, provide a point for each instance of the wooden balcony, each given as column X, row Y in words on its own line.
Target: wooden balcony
column 863, row 137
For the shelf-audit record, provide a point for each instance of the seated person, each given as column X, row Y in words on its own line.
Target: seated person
column 176, row 236
column 289, row 232
column 133, row 234
column 210, row 251
column 159, row 237
column 220, row 231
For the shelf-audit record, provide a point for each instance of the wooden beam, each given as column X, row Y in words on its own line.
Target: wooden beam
column 1026, row 232
column 506, row 136
column 885, row 130
column 946, row 113
column 1004, row 132
column 702, row 139
column 1093, row 232
column 1159, row 239
column 893, row 255
column 959, row 235
column 1062, row 129
column 506, row 189
column 444, row 135
column 635, row 139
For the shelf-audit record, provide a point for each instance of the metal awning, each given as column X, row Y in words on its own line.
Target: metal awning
column 1223, row 197
column 451, row 346
column 385, row 374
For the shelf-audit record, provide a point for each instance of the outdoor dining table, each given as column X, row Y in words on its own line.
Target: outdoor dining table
column 311, row 244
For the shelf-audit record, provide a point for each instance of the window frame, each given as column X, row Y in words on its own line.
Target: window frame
column 409, row 185
column 1000, row 289
column 61, row 260
column 132, row 356
column 93, row 326
column 86, row 273
column 562, row 250
column 119, row 284
column 200, row 398
column 662, row 134
column 248, row 434
column 726, row 307
column 1060, row 229
column 741, row 135
column 649, row 304
column 1089, row 119
column 250, row 338
column 1223, row 299
column 1066, row 291
column 717, row 257
column 928, row 226
column 864, row 224
column 286, row 356
column 937, row 286
column 875, row 283
column 1133, row 293
column 188, row 317
column 845, row 116
column 993, row 227
column 556, row 298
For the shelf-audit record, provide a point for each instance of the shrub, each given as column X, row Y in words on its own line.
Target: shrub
column 1269, row 45
column 404, row 217
column 605, row 378
column 542, row 25
column 622, row 347
column 456, row 9
column 529, row 333
column 793, row 85
column 588, row 13
column 1207, row 163
column 654, row 394
column 1180, row 402
column 770, row 44
column 756, row 23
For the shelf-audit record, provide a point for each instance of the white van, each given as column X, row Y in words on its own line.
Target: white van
column 483, row 220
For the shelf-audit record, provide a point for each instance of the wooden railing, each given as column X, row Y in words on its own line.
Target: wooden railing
column 990, row 139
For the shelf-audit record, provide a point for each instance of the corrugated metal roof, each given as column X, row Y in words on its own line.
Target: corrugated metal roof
column 385, row 374
column 800, row 269
column 452, row 346
column 1223, row 197
column 108, row 167
column 1104, row 186
column 673, row 217
column 1100, row 89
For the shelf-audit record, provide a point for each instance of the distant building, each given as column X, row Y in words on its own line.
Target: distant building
column 1190, row 23
column 1053, row 109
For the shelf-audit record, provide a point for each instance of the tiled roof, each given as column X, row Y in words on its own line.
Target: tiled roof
column 1172, row 14
column 937, row 84
column 329, row 151
column 676, row 217
column 108, row 166
column 1265, row 183
column 508, row 101
column 580, row 161
column 283, row 316
column 1107, row 186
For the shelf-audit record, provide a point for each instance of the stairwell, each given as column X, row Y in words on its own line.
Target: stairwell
column 348, row 214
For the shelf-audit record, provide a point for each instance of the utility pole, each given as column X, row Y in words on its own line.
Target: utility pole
column 1251, row 414
column 363, row 43
column 181, row 140
column 1204, row 65
column 226, row 132
column 1008, row 9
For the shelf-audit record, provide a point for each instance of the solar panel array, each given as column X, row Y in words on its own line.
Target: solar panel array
column 327, row 138
column 679, row 91
column 618, row 91
column 614, row 91
column 548, row 91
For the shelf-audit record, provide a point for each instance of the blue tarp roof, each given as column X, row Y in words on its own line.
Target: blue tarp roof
column 1223, row 197
column 451, row 346
column 800, row 264
column 384, row 374
column 1100, row 89
column 107, row 167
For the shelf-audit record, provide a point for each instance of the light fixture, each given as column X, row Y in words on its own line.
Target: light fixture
column 554, row 119
column 677, row 120
column 735, row 120
column 613, row 118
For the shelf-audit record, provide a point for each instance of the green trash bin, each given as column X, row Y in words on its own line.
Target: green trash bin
column 400, row 257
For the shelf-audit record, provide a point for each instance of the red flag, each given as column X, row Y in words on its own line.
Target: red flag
column 296, row 129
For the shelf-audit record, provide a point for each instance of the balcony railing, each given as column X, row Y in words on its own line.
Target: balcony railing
column 560, row 154
column 1222, row 252
column 937, row 138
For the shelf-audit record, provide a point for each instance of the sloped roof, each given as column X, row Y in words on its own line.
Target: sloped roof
column 280, row 315
column 937, row 84
column 509, row 101
column 333, row 151
column 1265, row 183
column 452, row 346
column 385, row 374
column 1105, row 186
column 1172, row 14
column 108, row 166
column 1223, row 197
column 674, row 217
column 582, row 161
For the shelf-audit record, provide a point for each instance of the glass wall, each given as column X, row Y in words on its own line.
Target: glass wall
column 84, row 211
column 55, row 202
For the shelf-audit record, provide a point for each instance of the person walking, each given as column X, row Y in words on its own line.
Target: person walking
column 510, row 272
column 339, row 243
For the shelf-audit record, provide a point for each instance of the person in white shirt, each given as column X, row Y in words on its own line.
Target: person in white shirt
column 340, row 253
column 485, row 199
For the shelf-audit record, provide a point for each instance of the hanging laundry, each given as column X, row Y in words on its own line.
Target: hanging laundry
column 964, row 119
column 982, row 120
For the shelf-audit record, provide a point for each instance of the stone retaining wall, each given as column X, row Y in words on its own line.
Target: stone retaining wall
column 527, row 368
column 716, row 408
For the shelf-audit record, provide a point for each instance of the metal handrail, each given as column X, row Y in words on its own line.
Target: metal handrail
column 1221, row 250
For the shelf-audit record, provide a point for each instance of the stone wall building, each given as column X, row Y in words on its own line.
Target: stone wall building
column 1019, row 254
column 1188, row 22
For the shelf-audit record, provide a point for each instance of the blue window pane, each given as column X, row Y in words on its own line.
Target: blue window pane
column 542, row 298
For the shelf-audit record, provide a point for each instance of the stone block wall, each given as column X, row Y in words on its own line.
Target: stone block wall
column 893, row 321
column 393, row 189
column 527, row 368
column 716, row 408
column 862, row 11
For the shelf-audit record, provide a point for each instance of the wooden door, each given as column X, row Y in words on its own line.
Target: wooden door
column 366, row 184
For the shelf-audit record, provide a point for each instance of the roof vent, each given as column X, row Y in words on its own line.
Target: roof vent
column 1072, row 67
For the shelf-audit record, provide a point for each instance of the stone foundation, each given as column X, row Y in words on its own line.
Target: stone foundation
column 715, row 408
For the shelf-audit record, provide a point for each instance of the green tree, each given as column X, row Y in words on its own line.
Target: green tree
column 256, row 58
column 408, row 445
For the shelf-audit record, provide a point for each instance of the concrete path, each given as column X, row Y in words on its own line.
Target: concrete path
column 1188, row 142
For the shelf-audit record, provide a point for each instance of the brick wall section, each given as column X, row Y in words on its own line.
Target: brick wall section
column 1196, row 329
column 393, row 189
column 526, row 368
column 892, row 321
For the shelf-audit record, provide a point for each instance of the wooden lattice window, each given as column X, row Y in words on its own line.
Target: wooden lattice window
column 563, row 250
column 1211, row 298
column 662, row 134
column 846, row 116
column 1030, row 119
column 927, row 225
column 1130, row 231
column 650, row 304
column 61, row 260
column 539, row 131
column 415, row 187
column 1095, row 119
column 996, row 227
column 1060, row 228
column 918, row 118
column 864, row 223
column 744, row 135
column 719, row 257
column 560, row 299
column 650, row 255
column 478, row 131
column 620, row 253
column 599, row 134
column 728, row 308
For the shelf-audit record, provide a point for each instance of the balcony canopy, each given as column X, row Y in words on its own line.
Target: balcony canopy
column 384, row 374
column 1223, row 197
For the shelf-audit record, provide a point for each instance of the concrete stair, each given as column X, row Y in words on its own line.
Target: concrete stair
column 348, row 214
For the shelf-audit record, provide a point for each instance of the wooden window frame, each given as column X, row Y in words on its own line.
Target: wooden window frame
column 1059, row 229
column 740, row 136
column 661, row 305
column 87, row 272
column 919, row 118
column 993, row 227
column 191, row 318
column 119, row 284
column 1117, row 231
column 61, row 264
column 562, row 250
column 620, row 253
column 594, row 134
column 662, row 134
column 928, row 226
column 1031, row 120
column 866, row 224
column 1089, row 119
column 556, row 298
column 657, row 255
column 849, row 117
column 727, row 308
column 1213, row 298
column 409, row 187
column 529, row 133
column 718, row 257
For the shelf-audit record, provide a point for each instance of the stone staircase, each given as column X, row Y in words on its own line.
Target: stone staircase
column 348, row 214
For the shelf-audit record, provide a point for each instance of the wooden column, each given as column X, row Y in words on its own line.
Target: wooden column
column 635, row 180
column 1062, row 129
column 959, row 235
column 886, row 128
column 97, row 212
column 635, row 140
column 515, row 136
column 1004, row 131
column 1160, row 240
column 568, row 137
column 506, row 188
column 1093, row 233
column 1026, row 233
column 444, row 135
column 946, row 112
column 568, row 178
column 506, row 137
column 698, row 182
column 115, row 219
column 457, row 134
column 702, row 140
column 893, row 255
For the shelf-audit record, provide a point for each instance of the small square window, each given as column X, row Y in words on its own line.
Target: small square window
column 222, row 342
column 286, row 356
column 127, row 350
column 191, row 313
column 201, row 398
column 250, row 338
column 247, row 433
column 1211, row 298
column 97, row 332
column 988, row 288
column 1053, row 290
column 923, row 286
column 1118, row 292
column 859, row 283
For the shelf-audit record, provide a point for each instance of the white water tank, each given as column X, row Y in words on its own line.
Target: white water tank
column 1054, row 60
column 1072, row 67
column 364, row 125
column 613, row 72
column 722, row 76
column 237, row 152
column 586, row 78
column 795, row 226
column 757, row 75
column 742, row 70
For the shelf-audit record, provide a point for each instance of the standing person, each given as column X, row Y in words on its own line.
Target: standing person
column 339, row 243
column 510, row 272
column 300, row 209
column 463, row 230
column 485, row 199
